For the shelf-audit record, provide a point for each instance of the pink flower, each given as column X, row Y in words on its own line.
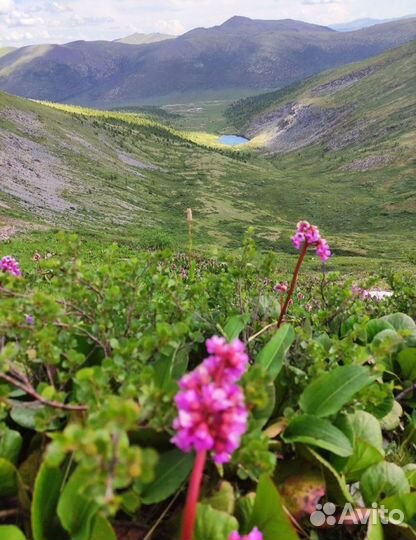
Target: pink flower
column 212, row 415
column 230, row 359
column 362, row 293
column 309, row 234
column 254, row 535
column 37, row 257
column 9, row 265
column 280, row 287
column 322, row 250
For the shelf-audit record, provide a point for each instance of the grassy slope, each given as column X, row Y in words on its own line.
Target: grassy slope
column 389, row 89
column 5, row 50
column 119, row 201
column 383, row 107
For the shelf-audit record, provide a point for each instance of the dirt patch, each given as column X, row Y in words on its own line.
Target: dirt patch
column 11, row 227
column 32, row 175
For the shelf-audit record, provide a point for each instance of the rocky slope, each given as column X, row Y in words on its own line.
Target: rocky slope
column 354, row 107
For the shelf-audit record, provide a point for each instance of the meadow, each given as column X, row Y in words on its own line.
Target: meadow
column 320, row 378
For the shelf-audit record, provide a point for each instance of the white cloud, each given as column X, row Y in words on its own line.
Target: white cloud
column 60, row 7
column 78, row 20
column 21, row 18
column 320, row 2
column 171, row 26
column 6, row 6
column 16, row 37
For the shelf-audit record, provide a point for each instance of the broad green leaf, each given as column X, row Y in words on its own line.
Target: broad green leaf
column 400, row 321
column 405, row 502
column 10, row 445
column 212, row 524
column 392, row 420
column 318, row 432
column 367, row 445
column 375, row 528
column 24, row 414
column 45, row 522
column 375, row 326
column 330, row 392
column 386, row 342
column 102, row 529
column 269, row 515
column 10, row 532
column 171, row 472
column 77, row 512
column 407, row 362
column 8, row 478
column 383, row 480
column 235, row 326
column 274, row 352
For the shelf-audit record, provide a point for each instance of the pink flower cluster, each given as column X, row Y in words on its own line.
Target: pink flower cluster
column 280, row 287
column 9, row 265
column 212, row 415
column 254, row 535
column 361, row 293
column 310, row 234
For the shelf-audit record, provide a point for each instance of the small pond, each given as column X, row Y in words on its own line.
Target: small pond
column 232, row 140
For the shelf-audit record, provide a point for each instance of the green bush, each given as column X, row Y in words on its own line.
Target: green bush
column 90, row 356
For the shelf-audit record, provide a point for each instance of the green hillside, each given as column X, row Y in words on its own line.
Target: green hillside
column 5, row 50
column 124, row 177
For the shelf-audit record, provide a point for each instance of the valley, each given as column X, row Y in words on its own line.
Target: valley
column 207, row 273
column 123, row 176
column 337, row 147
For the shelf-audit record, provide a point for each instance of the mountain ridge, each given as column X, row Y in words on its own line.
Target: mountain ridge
column 358, row 24
column 234, row 55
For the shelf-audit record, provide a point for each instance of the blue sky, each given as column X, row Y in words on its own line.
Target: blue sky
column 24, row 22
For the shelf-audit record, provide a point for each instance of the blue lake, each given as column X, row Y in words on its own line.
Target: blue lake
column 232, row 140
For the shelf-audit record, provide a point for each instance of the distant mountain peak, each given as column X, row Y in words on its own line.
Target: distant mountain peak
column 358, row 24
column 281, row 25
column 140, row 39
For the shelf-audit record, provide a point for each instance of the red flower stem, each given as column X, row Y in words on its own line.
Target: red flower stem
column 293, row 283
column 193, row 496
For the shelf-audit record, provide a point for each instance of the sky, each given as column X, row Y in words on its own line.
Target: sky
column 25, row 22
